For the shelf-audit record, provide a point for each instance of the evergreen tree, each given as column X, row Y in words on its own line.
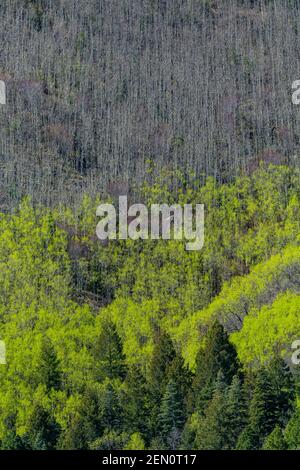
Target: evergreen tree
column 162, row 357
column 275, row 440
column 235, row 413
column 11, row 441
column 248, row 439
column 217, row 355
column 48, row 368
column 211, row 430
column 136, row 401
column 111, row 413
column 263, row 413
column 284, row 389
column 273, row 398
column 108, row 352
column 181, row 375
column 43, row 431
column 171, row 414
column 73, row 438
column 292, row 431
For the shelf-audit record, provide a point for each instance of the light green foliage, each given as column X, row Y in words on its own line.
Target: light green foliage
column 77, row 316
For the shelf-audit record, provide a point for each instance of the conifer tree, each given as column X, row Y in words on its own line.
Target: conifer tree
column 284, row 389
column 108, row 352
column 248, row 439
column 263, row 415
column 235, row 412
column 217, row 355
column 275, row 440
column 211, row 431
column 292, row 431
column 171, row 414
column 43, row 430
column 162, row 358
column 111, row 413
column 136, row 401
column 48, row 368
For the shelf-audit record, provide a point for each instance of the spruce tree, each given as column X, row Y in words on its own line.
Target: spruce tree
column 235, row 412
column 162, row 358
column 48, row 368
column 108, row 352
column 211, row 432
column 111, row 413
column 292, row 431
column 275, row 440
column 263, row 413
column 217, row 355
column 136, row 401
column 284, row 388
column 43, row 430
column 248, row 439
column 172, row 415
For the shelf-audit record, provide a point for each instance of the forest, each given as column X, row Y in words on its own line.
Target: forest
column 141, row 344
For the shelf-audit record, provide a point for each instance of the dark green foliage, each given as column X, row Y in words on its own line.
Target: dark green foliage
column 110, row 412
column 162, row 358
column 136, row 402
column 292, row 431
column 83, row 374
column 211, row 432
column 108, row 352
column 48, row 369
column 248, row 439
column 273, row 398
column 172, row 417
column 275, row 440
column 217, row 355
column 43, row 431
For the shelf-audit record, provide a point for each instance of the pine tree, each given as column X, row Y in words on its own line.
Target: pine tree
column 162, row 358
column 211, row 430
column 43, row 431
column 171, row 414
column 217, row 355
column 108, row 352
column 273, row 398
column 275, row 440
column 263, row 413
column 284, row 389
column 11, row 441
column 235, row 413
column 292, row 431
column 111, row 413
column 48, row 367
column 136, row 401
column 73, row 438
column 181, row 375
column 248, row 439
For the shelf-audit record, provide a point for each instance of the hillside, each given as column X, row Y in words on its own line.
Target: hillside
column 141, row 344
column 96, row 91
